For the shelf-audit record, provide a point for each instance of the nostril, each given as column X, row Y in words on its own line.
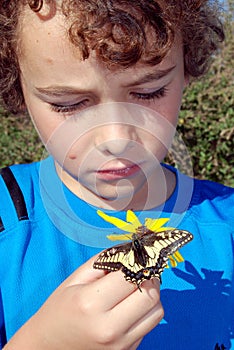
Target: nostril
column 116, row 147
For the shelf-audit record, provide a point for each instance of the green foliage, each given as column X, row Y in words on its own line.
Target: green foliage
column 19, row 142
column 207, row 118
column 206, row 123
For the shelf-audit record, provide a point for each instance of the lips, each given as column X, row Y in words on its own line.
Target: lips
column 118, row 173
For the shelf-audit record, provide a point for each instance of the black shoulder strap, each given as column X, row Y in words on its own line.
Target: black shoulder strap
column 15, row 193
column 2, row 228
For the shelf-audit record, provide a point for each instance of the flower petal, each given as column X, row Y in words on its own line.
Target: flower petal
column 178, row 256
column 117, row 222
column 117, row 237
column 172, row 261
column 155, row 224
column 133, row 219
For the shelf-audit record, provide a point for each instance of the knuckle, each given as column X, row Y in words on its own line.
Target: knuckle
column 85, row 306
column 82, row 303
column 107, row 336
column 153, row 301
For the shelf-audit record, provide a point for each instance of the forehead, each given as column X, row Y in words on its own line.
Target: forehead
column 44, row 42
column 34, row 28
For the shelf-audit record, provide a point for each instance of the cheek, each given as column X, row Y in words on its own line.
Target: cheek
column 61, row 136
column 80, row 149
column 170, row 106
column 159, row 138
column 80, row 157
column 157, row 142
column 174, row 104
column 46, row 128
column 44, row 121
column 157, row 149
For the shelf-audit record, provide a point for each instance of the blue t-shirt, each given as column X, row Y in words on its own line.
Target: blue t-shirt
column 46, row 233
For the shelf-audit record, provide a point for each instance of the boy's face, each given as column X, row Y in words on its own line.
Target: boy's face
column 113, row 149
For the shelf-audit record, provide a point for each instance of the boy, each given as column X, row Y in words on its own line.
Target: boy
column 103, row 82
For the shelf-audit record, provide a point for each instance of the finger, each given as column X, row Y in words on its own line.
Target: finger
column 139, row 314
column 135, row 345
column 84, row 274
column 147, row 322
column 138, row 305
column 108, row 289
column 112, row 289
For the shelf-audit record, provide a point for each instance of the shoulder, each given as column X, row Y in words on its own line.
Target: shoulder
column 213, row 200
column 20, row 173
column 19, row 191
column 205, row 190
column 205, row 201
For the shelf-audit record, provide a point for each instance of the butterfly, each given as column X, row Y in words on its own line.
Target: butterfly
column 147, row 254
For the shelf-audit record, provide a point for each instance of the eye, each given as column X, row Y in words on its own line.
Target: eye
column 68, row 109
column 151, row 95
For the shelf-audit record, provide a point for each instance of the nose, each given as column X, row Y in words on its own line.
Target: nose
column 115, row 138
column 116, row 132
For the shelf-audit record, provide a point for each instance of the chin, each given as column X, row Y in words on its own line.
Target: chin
column 124, row 191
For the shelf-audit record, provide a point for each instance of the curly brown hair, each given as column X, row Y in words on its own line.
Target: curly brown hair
column 119, row 32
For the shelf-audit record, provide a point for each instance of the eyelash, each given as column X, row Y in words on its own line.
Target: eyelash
column 137, row 95
column 67, row 109
column 151, row 96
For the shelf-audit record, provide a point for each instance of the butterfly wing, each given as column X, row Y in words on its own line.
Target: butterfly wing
column 160, row 246
column 165, row 243
column 155, row 248
column 114, row 258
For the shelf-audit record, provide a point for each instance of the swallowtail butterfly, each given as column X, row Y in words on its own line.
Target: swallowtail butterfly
column 146, row 256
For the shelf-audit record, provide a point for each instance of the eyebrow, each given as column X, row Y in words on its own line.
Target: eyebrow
column 57, row 91
column 157, row 75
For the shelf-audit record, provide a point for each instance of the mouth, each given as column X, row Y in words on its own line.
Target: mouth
column 118, row 173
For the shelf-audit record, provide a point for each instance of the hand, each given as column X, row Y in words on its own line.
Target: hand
column 92, row 310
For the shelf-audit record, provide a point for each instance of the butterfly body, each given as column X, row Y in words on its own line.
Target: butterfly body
column 140, row 253
column 146, row 256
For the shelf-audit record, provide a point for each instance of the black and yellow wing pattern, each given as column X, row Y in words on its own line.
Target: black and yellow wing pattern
column 146, row 255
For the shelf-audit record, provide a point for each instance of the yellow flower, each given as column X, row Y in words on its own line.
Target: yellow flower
column 131, row 225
